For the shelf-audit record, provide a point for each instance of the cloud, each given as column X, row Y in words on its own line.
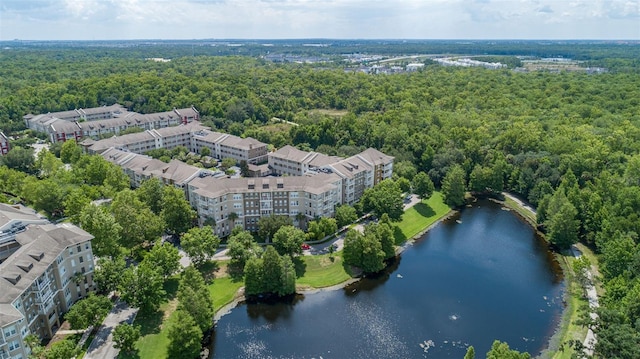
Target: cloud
column 546, row 9
column 113, row 19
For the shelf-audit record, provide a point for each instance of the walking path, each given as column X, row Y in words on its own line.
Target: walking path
column 592, row 296
column 102, row 345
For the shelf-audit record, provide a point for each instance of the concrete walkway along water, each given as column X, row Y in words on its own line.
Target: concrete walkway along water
column 590, row 340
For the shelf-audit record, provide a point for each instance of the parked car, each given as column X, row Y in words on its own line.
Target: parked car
column 305, row 246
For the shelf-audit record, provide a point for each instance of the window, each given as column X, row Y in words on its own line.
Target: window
column 14, row 345
column 81, row 259
column 10, row 331
column 79, row 249
column 73, row 262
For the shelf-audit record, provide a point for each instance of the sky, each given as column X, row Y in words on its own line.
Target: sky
column 332, row 19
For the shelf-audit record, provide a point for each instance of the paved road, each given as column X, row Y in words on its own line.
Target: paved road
column 102, row 345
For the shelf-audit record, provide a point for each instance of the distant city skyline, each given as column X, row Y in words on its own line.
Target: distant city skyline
column 334, row 19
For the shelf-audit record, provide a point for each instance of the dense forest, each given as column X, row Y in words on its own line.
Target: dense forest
column 568, row 142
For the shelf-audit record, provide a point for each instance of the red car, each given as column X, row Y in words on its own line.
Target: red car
column 305, row 246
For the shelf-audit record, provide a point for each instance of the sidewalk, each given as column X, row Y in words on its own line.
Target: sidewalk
column 102, row 345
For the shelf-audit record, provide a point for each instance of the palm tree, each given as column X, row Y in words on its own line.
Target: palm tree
column 300, row 217
column 232, row 217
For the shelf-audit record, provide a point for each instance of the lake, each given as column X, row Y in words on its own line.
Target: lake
column 481, row 276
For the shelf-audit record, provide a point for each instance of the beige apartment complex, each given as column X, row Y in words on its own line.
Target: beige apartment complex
column 192, row 136
column 44, row 269
column 94, row 122
column 310, row 185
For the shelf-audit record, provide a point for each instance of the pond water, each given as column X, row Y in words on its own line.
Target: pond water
column 481, row 276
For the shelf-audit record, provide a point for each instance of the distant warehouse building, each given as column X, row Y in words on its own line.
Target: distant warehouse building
column 44, row 269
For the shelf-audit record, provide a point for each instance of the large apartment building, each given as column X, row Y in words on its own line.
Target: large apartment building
column 358, row 172
column 310, row 184
column 140, row 168
column 95, row 122
column 44, row 269
column 249, row 199
column 192, row 136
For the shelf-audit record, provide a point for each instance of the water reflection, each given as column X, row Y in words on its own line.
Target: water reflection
column 472, row 279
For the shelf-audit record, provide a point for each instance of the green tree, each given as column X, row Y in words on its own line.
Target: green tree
column 205, row 151
column 63, row 349
column 176, row 210
column 138, row 224
column 453, row 186
column 35, row 345
column 108, row 274
column 18, row 158
column 288, row 240
column 422, row 185
column 244, row 169
column 227, row 163
column 287, row 277
column 363, row 251
column 74, row 203
column 269, row 225
column 385, row 197
column 70, row 151
column 88, row 311
column 125, row 337
column 47, row 164
column 44, row 195
column 345, row 214
column 471, row 353
column 501, row 350
column 321, row 227
column 184, row 337
column 115, row 180
column 271, row 270
column 141, row 287
column 253, row 282
column 618, row 255
column 165, row 257
column 199, row 244
column 103, row 226
column 384, row 234
column 563, row 226
column 195, row 299
column 241, row 247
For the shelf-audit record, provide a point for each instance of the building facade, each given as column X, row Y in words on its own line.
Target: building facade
column 100, row 121
column 4, row 144
column 48, row 269
column 242, row 202
column 192, row 136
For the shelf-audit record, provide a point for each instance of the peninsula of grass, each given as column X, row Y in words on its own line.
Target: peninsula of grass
column 419, row 217
column 223, row 291
column 321, row 271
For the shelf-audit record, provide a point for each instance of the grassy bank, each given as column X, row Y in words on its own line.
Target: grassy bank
column 419, row 217
column 568, row 329
column 321, row 271
column 318, row 271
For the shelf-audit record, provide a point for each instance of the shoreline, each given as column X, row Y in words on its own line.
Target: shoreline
column 239, row 297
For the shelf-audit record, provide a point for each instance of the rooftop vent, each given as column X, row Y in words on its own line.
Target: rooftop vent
column 25, row 266
column 37, row 255
column 14, row 278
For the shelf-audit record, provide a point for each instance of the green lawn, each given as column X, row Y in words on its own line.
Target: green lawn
column 522, row 211
column 154, row 328
column 223, row 290
column 320, row 271
column 417, row 218
column 568, row 329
